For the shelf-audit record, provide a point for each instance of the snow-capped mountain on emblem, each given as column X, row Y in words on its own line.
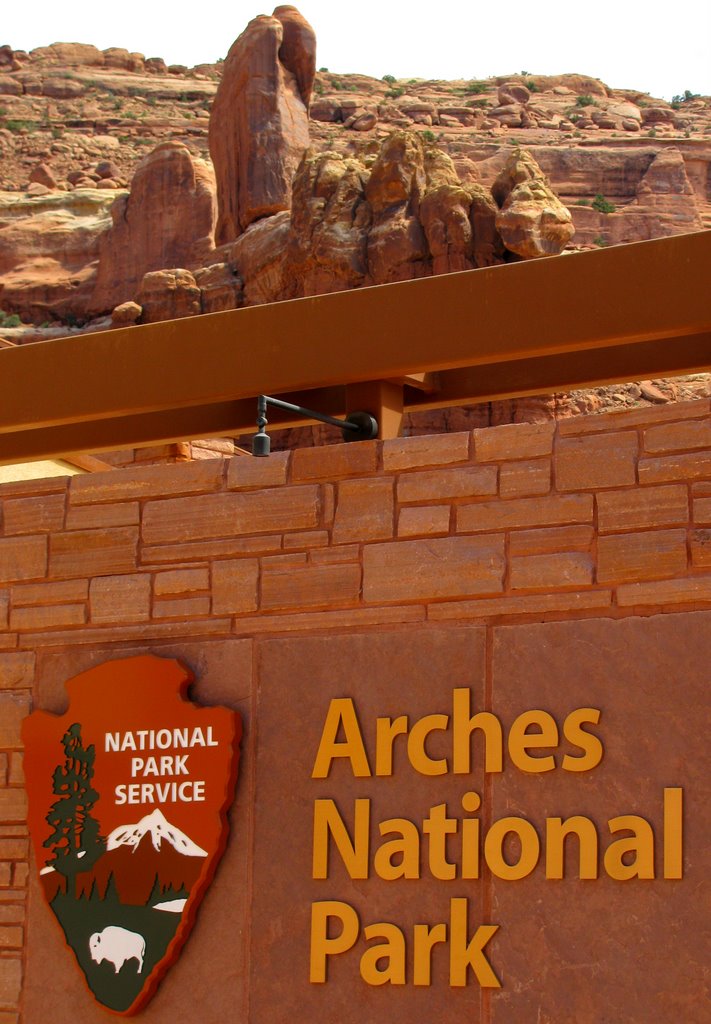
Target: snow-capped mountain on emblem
column 128, row 795
column 159, row 828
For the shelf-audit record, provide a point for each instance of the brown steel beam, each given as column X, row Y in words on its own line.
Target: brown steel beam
column 668, row 357
column 541, row 307
column 545, row 374
column 223, row 419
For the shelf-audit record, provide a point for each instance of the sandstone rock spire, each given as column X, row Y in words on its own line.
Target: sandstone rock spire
column 168, row 220
column 259, row 122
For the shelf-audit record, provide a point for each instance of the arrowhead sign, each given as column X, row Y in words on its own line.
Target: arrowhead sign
column 128, row 798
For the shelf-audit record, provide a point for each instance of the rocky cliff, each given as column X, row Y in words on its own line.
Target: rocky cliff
column 131, row 191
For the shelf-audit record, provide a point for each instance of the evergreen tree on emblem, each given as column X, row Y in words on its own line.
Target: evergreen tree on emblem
column 75, row 840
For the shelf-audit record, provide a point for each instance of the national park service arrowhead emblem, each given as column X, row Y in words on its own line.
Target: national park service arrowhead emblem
column 128, row 798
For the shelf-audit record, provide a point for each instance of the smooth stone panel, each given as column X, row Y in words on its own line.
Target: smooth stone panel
column 604, row 950
column 386, row 674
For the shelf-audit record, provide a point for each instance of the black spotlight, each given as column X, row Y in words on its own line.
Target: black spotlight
column 357, row 426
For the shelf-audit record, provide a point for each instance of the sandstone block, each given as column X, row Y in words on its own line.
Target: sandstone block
column 427, row 450
column 16, row 775
column 17, row 670
column 49, row 617
column 673, row 437
column 306, row 539
column 120, row 598
column 199, row 551
column 426, row 520
column 700, row 547
column 234, row 586
column 365, row 510
column 310, row 586
column 22, row 558
column 14, row 848
column 693, row 590
column 691, row 466
column 180, row 581
column 643, row 507
column 94, row 552
column 523, row 479
column 467, row 482
column 641, row 556
column 11, row 937
column 549, row 510
column 327, row 462
column 41, row 514
column 418, row 570
column 140, row 632
column 181, row 608
column 249, row 472
column 513, row 441
column 145, row 482
column 528, row 604
column 281, row 561
column 702, row 509
column 10, row 981
column 551, row 571
column 548, row 541
column 13, row 708
column 647, row 416
column 601, row 460
column 93, row 517
column 224, row 515
column 61, row 592
column 339, row 553
column 340, row 619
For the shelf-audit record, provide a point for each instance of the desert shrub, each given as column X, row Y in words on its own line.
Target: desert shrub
column 392, row 94
column 390, row 79
column 9, row 319
column 474, row 88
column 18, row 126
column 602, row 205
column 585, row 101
column 684, row 97
column 600, row 242
column 428, row 135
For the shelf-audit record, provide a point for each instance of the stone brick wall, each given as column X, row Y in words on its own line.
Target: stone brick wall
column 599, row 517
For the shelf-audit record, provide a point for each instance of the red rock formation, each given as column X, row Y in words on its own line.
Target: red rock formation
column 49, row 248
column 167, row 221
column 664, row 205
column 168, row 295
column 532, row 222
column 329, row 226
column 408, row 216
column 298, row 49
column 259, row 123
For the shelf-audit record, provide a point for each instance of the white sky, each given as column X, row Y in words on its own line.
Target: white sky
column 662, row 51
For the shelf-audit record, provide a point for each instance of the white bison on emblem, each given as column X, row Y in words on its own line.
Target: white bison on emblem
column 117, row 945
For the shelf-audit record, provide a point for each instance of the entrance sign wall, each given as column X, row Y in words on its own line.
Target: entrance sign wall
column 473, row 671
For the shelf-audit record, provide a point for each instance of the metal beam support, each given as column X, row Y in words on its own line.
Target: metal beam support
column 491, row 333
